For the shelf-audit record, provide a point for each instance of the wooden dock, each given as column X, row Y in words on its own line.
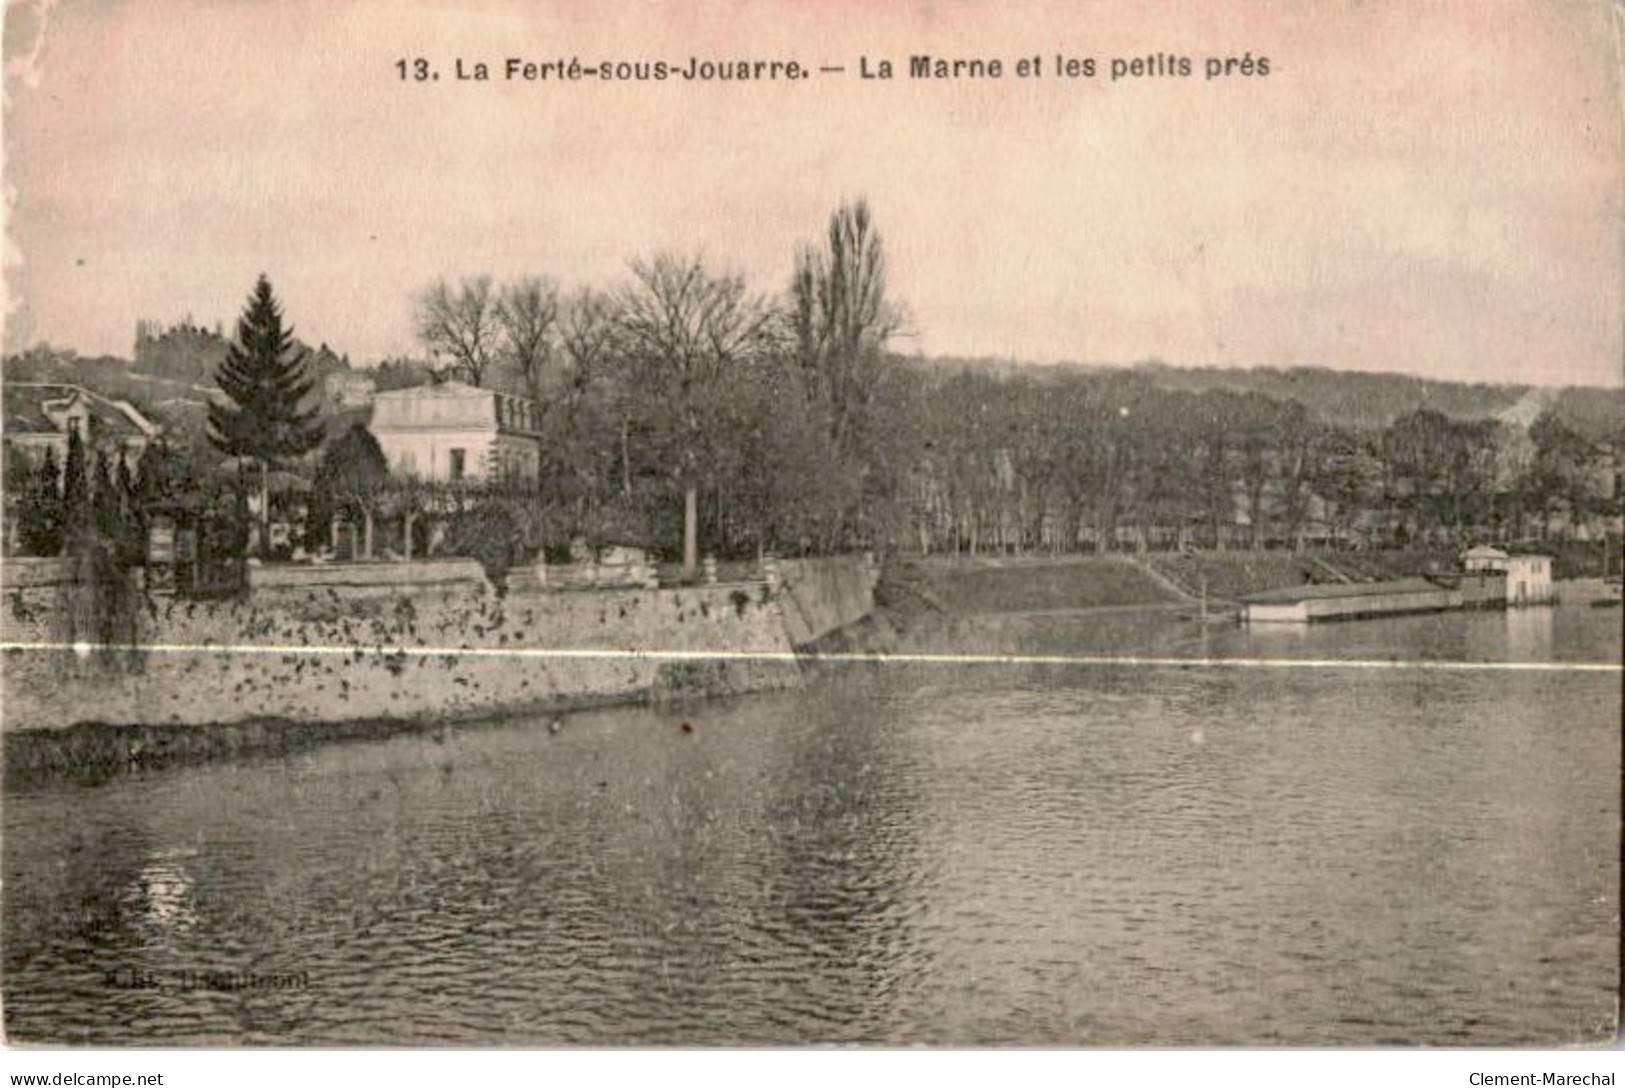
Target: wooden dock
column 1358, row 600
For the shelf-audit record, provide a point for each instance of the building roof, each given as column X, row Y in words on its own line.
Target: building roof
column 1513, row 551
column 450, row 389
column 1291, row 594
column 34, row 408
column 453, row 404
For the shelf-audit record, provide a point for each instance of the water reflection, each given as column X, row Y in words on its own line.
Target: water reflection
column 1529, row 633
column 844, row 877
column 161, row 894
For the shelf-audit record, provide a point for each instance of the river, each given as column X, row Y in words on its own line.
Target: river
column 1247, row 852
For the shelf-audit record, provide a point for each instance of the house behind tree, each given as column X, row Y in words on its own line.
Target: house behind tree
column 40, row 416
column 345, row 390
column 454, row 431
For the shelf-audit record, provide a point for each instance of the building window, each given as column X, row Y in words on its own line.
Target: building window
column 459, row 464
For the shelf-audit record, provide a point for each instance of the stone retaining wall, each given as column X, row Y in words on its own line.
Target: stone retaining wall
column 364, row 579
column 317, row 648
column 823, row 595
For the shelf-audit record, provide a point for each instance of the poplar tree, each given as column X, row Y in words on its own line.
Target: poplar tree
column 115, row 529
column 126, row 483
column 105, row 498
column 39, row 520
column 75, row 486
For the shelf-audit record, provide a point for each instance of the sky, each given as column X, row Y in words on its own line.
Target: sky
column 1432, row 188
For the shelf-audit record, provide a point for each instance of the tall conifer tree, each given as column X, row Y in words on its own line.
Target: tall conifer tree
column 263, row 377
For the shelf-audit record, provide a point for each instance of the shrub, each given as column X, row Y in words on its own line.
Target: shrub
column 489, row 533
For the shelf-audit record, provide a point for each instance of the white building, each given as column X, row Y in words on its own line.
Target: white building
column 455, row 431
column 1529, row 577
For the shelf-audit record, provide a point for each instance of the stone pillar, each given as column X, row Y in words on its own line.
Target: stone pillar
column 691, row 522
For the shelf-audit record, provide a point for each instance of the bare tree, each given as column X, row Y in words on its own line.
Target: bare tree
column 841, row 319
column 461, row 325
column 527, row 312
column 587, row 328
column 683, row 330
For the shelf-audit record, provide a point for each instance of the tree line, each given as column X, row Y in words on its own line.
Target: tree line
column 787, row 423
column 681, row 410
column 1115, row 462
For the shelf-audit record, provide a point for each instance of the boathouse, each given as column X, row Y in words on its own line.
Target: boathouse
column 1313, row 603
column 1529, row 577
column 1357, row 600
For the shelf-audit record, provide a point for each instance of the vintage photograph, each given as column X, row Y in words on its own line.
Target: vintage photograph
column 789, row 524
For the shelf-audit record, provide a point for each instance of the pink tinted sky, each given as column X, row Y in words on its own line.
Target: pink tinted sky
column 1425, row 187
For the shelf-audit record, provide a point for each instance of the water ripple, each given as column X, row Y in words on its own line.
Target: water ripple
column 1038, row 856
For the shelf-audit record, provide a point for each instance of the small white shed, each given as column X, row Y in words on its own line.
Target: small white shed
column 1529, row 577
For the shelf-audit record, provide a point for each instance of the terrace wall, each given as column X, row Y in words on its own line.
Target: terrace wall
column 434, row 643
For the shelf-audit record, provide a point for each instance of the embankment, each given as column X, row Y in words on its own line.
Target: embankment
column 819, row 596
column 1005, row 605
column 1133, row 604
column 1230, row 576
column 346, row 651
column 996, row 586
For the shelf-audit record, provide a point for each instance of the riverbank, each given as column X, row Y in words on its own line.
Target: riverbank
column 1151, row 604
column 985, row 586
column 1229, row 576
column 1005, row 605
column 1042, row 584
column 341, row 653
column 361, row 657
column 364, row 659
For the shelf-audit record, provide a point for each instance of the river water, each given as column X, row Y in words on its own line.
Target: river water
column 1039, row 854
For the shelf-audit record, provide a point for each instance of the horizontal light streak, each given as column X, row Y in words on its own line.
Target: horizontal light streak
column 787, row 656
